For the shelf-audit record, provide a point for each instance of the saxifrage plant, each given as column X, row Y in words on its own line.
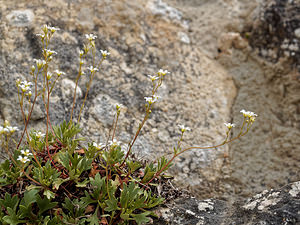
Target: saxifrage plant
column 51, row 178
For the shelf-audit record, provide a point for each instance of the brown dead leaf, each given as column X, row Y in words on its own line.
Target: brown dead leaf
column 80, row 151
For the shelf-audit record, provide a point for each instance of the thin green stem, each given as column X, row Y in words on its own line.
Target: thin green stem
column 148, row 111
column 115, row 126
column 87, row 91
column 203, row 148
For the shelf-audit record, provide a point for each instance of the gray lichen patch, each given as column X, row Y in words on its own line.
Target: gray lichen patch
column 262, row 201
column 206, row 205
column 295, row 189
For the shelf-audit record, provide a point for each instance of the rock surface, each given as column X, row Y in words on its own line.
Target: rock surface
column 215, row 74
column 142, row 36
column 276, row 207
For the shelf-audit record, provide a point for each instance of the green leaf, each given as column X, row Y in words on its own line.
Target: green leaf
column 94, row 220
column 112, row 204
column 58, row 182
column 141, row 218
column 49, row 194
column 10, row 202
column 44, row 204
column 133, row 166
column 12, row 218
column 64, row 159
column 29, row 197
column 82, row 184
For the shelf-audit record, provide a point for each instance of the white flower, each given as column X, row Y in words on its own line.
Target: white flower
column 1, row 130
column 40, row 63
column 41, row 35
column 153, row 78
column 248, row 113
column 18, row 82
column 49, row 52
column 98, row 146
column 26, row 152
column 81, row 52
column 162, row 72
column 229, row 125
column 118, row 106
column 39, row 135
column 59, row 73
column 104, row 53
column 45, row 28
column 156, row 97
column 152, row 99
column 6, row 123
column 183, row 128
column 92, row 69
column 25, row 86
column 90, row 37
column 12, row 129
column 29, row 94
column 53, row 29
column 23, row 159
column 114, row 142
column 49, row 75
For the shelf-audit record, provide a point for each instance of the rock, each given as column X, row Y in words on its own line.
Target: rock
column 184, row 38
column 201, row 92
column 268, row 207
column 276, row 27
column 160, row 8
column 68, row 87
column 229, row 40
column 104, row 109
column 297, row 33
column 20, row 18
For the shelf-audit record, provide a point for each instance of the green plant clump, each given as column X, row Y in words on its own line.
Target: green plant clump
column 54, row 177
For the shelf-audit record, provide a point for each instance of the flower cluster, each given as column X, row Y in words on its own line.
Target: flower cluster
column 100, row 145
column 250, row 115
column 24, row 86
column 151, row 99
column 24, row 157
column 46, row 30
column 118, row 107
column 162, row 72
column 39, row 63
column 47, row 53
column 7, row 129
column 59, row 73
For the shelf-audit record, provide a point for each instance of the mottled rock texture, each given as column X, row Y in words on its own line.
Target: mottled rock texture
column 275, row 207
column 213, row 49
column 269, row 156
column 142, row 36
